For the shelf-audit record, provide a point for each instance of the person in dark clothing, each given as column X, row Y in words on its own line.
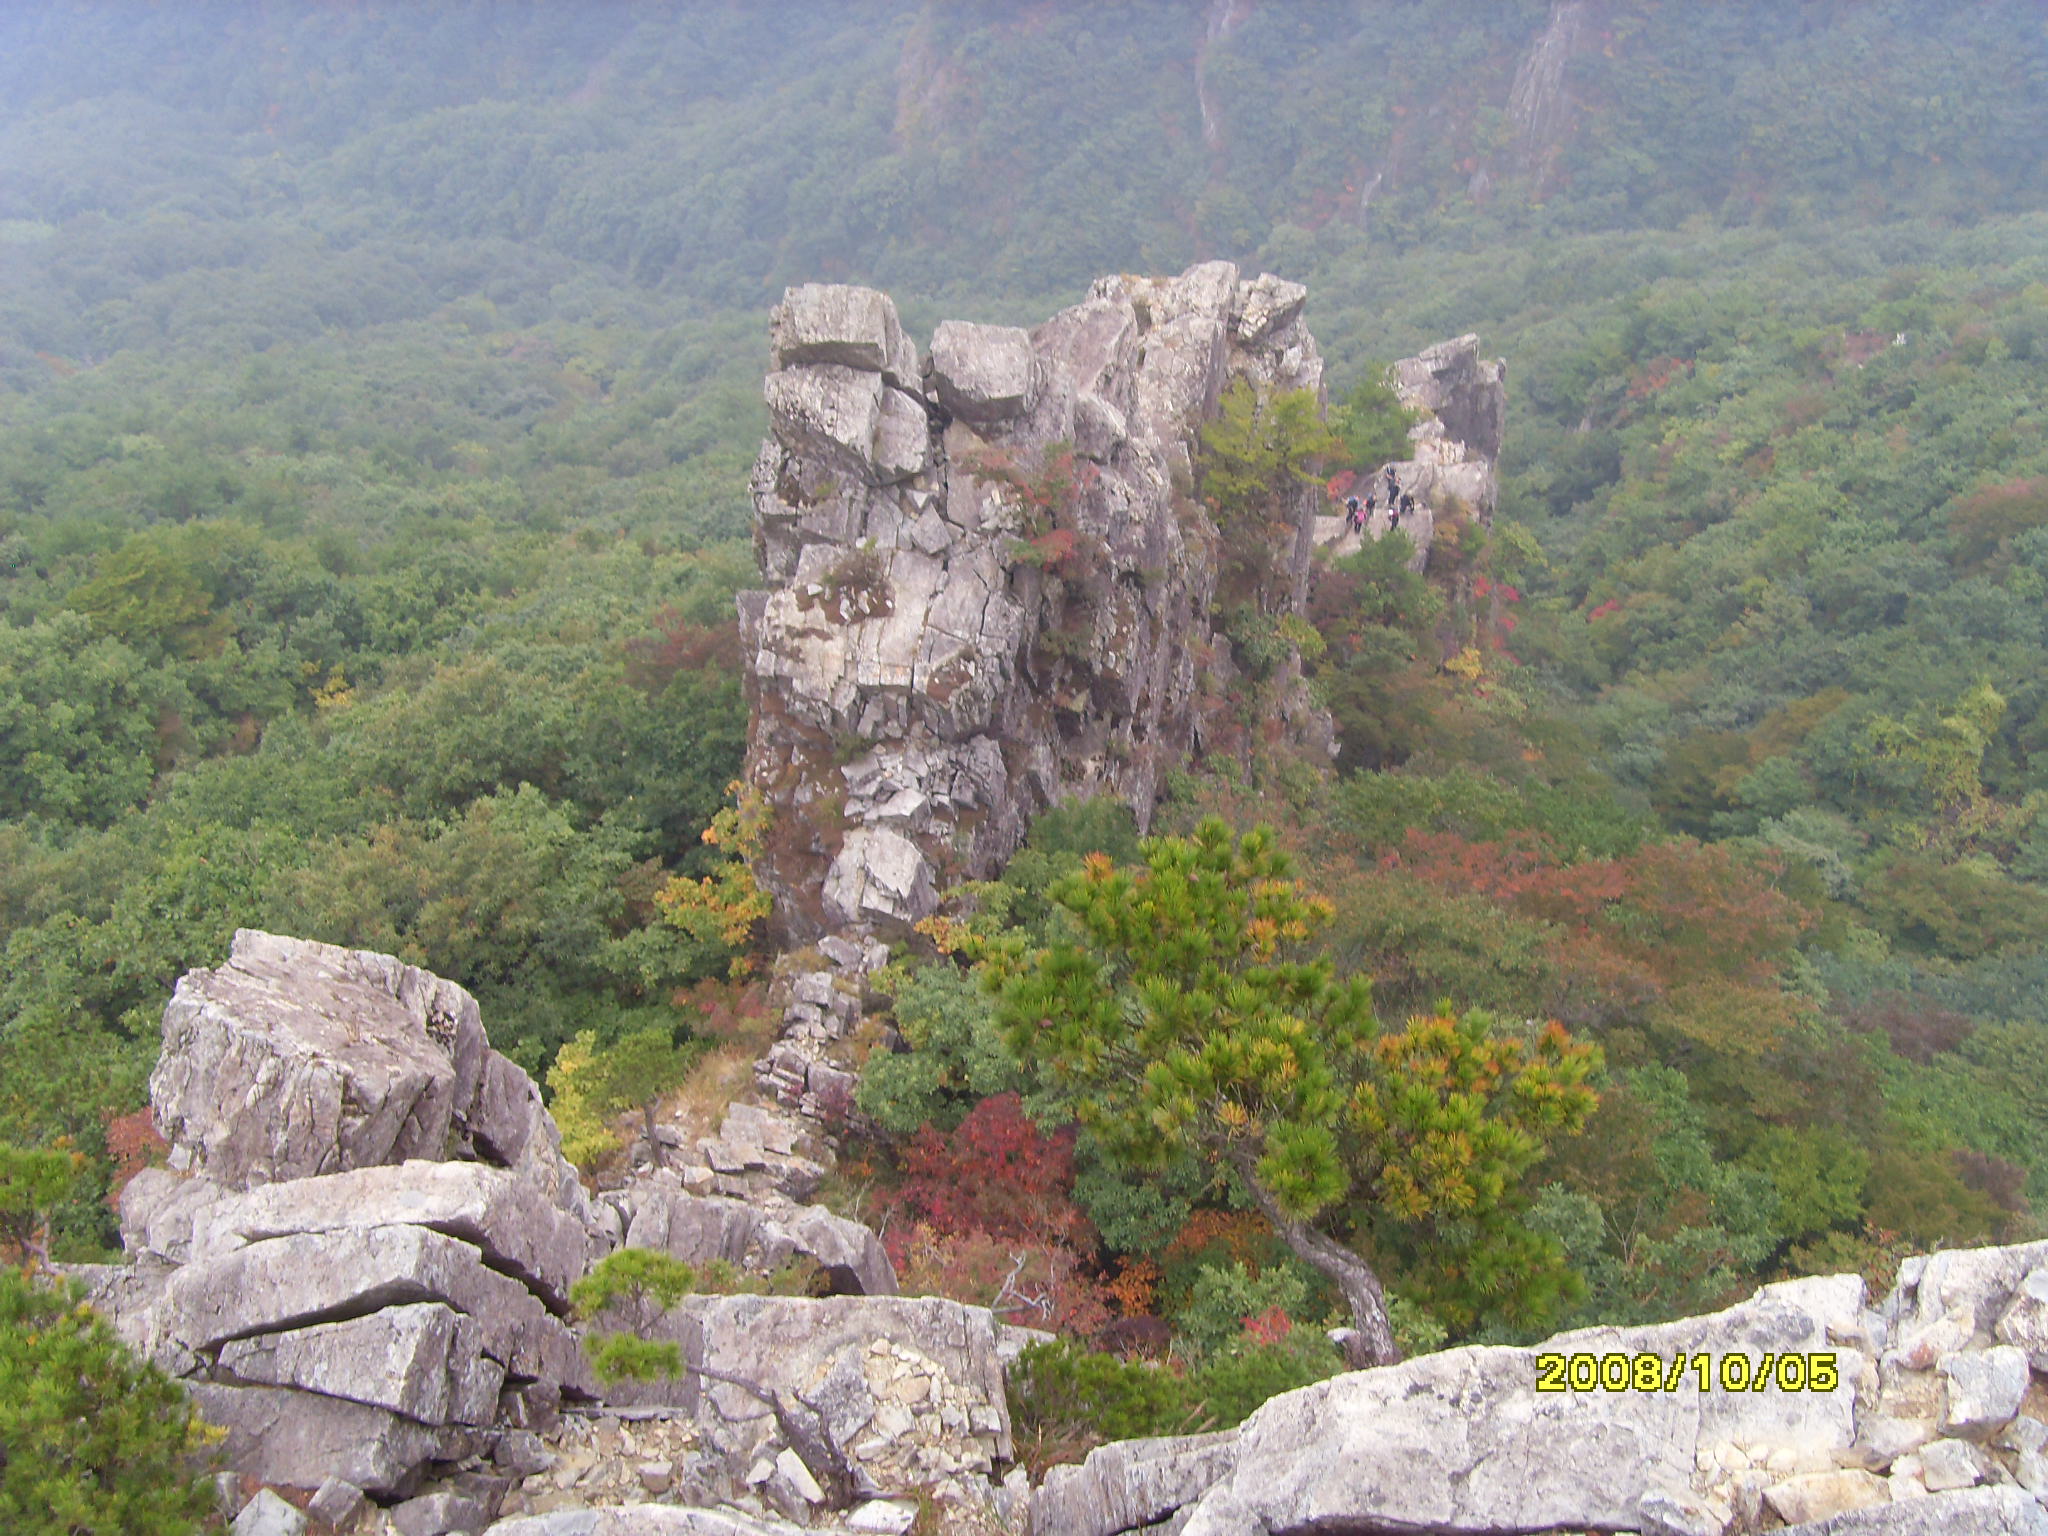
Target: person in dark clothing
column 1350, row 513
column 1407, row 504
column 1365, row 514
column 1393, row 485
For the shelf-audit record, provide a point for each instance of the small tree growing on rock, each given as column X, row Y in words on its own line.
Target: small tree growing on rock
column 644, row 1283
column 33, row 1183
column 1185, row 1014
column 91, row 1439
column 1259, row 456
column 728, row 906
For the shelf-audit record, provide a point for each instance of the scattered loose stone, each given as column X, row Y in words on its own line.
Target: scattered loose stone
column 268, row 1515
column 1985, row 1389
column 337, row 1502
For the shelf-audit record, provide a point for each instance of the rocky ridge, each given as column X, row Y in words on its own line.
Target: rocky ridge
column 1459, row 399
column 988, row 588
column 384, row 1343
column 360, row 1251
column 987, row 582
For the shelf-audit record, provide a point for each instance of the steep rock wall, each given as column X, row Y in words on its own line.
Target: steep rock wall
column 987, row 582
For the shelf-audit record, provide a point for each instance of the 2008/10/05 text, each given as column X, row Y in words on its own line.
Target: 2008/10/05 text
column 1816, row 1372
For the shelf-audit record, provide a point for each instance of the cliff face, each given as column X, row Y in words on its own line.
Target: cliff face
column 987, row 582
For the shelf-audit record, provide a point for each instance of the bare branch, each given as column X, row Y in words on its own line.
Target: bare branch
column 812, row 1442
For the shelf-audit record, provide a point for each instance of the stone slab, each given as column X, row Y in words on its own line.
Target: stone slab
column 424, row 1361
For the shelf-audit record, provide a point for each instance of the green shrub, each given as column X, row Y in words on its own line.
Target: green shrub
column 1063, row 1393
column 1065, row 1398
column 634, row 1275
column 1224, row 1295
column 1237, row 1379
column 91, row 1439
column 616, row 1357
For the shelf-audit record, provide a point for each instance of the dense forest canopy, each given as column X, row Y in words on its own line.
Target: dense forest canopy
column 377, row 388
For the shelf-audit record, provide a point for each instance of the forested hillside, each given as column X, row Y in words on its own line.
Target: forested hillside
column 377, row 391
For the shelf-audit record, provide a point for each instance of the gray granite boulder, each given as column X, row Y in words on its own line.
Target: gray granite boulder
column 829, row 412
column 425, row 1361
column 1985, row 1390
column 299, row 1439
column 296, row 1059
column 268, row 1515
column 1461, row 390
column 515, row 1226
column 759, row 1235
column 1464, row 1442
column 2024, row 1322
column 1975, row 1512
column 294, row 1282
column 910, row 1389
column 1131, row 1483
column 442, row 1513
column 983, row 374
column 359, row 1251
column 841, row 325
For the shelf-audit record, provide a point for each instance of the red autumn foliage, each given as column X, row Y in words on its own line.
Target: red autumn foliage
column 132, row 1145
column 1611, row 606
column 1055, row 548
column 1657, row 374
column 1038, row 1286
column 1269, row 1327
column 654, row 661
column 1687, row 910
column 987, row 1216
column 725, row 1010
column 1693, row 934
column 1984, row 525
column 2003, row 1181
column 997, row 1174
column 1917, row 1029
column 1142, row 1337
column 1230, row 1237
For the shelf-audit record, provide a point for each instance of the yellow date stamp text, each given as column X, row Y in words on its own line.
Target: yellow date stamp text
column 1814, row 1371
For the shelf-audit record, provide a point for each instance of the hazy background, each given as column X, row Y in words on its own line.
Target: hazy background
column 378, row 382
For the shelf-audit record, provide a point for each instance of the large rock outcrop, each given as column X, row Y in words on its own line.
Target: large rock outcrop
column 759, row 1234
column 397, row 1327
column 296, row 1059
column 1930, row 1415
column 989, row 588
column 360, row 1259
column 987, row 583
column 1460, row 402
column 361, row 1249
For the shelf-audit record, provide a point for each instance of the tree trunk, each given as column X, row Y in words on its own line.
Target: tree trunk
column 812, row 1442
column 1372, row 1342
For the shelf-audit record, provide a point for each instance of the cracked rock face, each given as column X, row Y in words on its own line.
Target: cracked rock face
column 297, row 1059
column 360, row 1258
column 361, row 1251
column 986, row 581
column 910, row 1388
